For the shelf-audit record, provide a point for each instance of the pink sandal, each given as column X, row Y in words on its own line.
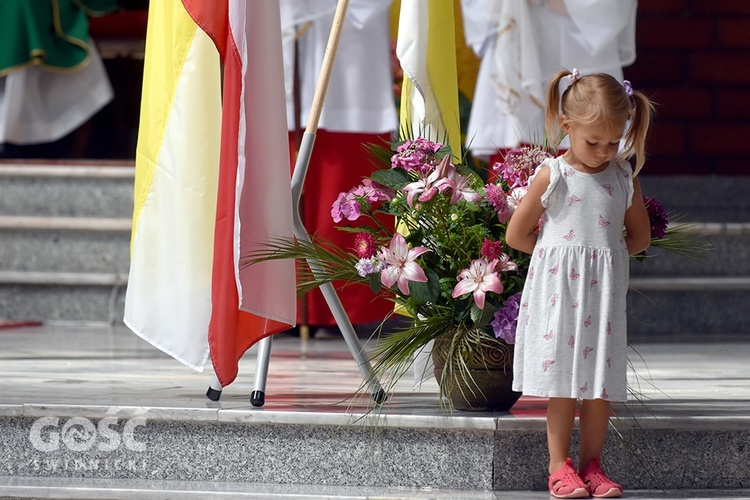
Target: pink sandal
column 566, row 483
column 598, row 483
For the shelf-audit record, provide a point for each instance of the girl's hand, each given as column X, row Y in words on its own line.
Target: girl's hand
column 637, row 225
column 521, row 231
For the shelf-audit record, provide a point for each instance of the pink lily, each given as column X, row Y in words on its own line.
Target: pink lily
column 461, row 189
column 400, row 264
column 505, row 264
column 478, row 279
column 427, row 187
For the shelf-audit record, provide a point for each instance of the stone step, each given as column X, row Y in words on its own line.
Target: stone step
column 64, row 244
column 136, row 489
column 484, row 452
column 54, row 296
column 705, row 314
column 709, row 198
column 88, row 190
column 728, row 255
column 659, row 309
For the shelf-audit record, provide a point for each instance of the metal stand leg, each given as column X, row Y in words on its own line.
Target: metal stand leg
column 214, row 389
column 329, row 293
column 258, row 396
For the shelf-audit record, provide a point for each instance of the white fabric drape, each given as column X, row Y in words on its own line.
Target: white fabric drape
column 39, row 105
column 522, row 44
column 360, row 92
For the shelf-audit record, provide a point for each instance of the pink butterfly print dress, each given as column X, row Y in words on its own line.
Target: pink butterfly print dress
column 584, row 301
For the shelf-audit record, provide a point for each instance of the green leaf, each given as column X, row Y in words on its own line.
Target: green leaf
column 394, row 178
column 375, row 283
column 481, row 317
column 423, row 293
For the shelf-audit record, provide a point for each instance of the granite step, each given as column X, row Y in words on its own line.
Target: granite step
column 709, row 198
column 482, row 452
column 68, row 297
column 65, row 244
column 132, row 489
column 91, row 189
column 65, row 233
column 659, row 309
column 728, row 254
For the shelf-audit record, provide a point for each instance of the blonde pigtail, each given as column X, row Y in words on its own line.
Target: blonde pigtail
column 640, row 120
column 552, row 116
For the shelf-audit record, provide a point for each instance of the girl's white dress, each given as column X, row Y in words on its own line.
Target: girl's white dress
column 571, row 337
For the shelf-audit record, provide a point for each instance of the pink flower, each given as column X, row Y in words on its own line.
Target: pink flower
column 364, row 245
column 400, row 264
column 428, row 186
column 372, row 191
column 417, row 154
column 461, row 190
column 498, row 199
column 349, row 205
column 516, row 195
column 345, row 206
column 478, row 279
column 491, row 249
column 505, row 264
column 519, row 164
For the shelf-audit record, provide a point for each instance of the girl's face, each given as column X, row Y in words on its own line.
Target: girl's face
column 592, row 147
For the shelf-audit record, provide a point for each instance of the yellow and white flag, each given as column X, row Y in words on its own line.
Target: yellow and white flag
column 168, row 300
column 426, row 48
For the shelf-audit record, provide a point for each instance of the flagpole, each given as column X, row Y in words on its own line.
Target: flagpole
column 298, row 179
column 304, row 327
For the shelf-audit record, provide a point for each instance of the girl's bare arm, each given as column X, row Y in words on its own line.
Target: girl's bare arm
column 637, row 224
column 520, row 233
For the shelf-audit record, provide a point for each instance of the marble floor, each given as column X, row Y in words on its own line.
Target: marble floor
column 79, row 364
column 98, row 366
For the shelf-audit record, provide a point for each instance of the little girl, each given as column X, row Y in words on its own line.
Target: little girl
column 571, row 335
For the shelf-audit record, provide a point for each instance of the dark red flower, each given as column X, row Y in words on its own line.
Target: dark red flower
column 657, row 216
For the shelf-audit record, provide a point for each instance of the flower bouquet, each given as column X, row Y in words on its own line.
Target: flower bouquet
column 429, row 232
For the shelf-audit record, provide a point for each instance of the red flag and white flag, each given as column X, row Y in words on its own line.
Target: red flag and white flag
column 226, row 167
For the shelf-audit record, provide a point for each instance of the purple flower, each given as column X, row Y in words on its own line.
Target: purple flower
column 518, row 165
column 368, row 266
column 657, row 216
column 506, row 319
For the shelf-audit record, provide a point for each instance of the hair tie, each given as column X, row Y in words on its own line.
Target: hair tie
column 572, row 77
column 628, row 88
